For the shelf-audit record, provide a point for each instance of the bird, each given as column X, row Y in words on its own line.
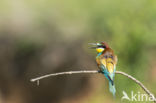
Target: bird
column 106, row 61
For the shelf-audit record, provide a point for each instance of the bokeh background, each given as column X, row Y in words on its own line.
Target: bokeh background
column 47, row 36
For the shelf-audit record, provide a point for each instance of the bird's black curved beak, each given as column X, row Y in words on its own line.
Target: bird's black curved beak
column 94, row 45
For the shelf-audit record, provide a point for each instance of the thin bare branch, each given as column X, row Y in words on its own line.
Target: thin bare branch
column 139, row 83
column 65, row 73
column 93, row 72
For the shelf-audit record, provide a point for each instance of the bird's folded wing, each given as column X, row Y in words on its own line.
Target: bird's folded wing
column 110, row 65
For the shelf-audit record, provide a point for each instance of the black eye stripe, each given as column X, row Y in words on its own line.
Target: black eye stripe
column 101, row 46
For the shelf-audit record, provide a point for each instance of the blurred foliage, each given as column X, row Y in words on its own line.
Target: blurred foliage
column 44, row 36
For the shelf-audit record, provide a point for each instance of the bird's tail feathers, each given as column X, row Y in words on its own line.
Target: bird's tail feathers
column 112, row 88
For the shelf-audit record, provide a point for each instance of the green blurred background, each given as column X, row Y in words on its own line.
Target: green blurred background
column 46, row 36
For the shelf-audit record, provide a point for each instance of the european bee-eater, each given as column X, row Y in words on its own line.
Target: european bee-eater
column 106, row 61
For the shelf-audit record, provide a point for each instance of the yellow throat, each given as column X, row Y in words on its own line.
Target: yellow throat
column 99, row 50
